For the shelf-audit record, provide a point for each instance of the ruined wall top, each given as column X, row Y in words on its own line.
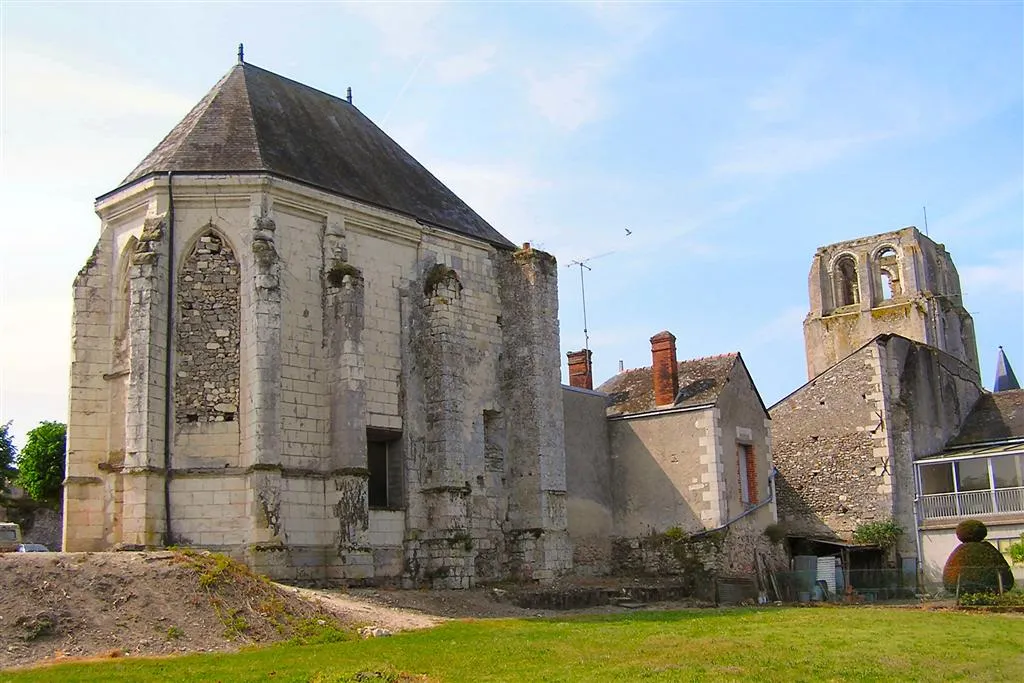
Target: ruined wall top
column 899, row 282
column 889, row 266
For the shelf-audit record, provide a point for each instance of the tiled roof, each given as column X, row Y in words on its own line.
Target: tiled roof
column 256, row 121
column 700, row 382
column 994, row 417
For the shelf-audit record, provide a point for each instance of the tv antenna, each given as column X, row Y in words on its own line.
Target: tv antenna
column 582, row 263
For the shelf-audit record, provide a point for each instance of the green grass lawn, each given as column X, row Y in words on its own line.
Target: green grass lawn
column 779, row 644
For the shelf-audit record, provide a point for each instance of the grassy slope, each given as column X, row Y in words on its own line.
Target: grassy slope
column 770, row 644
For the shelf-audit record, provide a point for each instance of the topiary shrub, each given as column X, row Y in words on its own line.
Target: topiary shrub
column 971, row 531
column 975, row 565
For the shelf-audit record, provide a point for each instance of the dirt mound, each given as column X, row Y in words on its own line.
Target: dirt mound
column 57, row 605
column 88, row 604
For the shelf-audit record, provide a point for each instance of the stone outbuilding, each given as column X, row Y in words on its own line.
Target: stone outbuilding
column 677, row 448
column 294, row 344
column 894, row 423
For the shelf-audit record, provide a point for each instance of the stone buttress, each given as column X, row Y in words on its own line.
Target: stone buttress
column 538, row 543
column 346, row 486
column 262, row 442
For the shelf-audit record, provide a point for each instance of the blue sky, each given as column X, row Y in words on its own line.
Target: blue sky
column 733, row 139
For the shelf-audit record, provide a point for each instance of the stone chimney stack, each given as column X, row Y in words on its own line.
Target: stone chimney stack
column 664, row 369
column 580, row 367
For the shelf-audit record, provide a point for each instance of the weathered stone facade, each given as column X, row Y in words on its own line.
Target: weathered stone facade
column 676, row 478
column 897, row 282
column 894, row 372
column 329, row 388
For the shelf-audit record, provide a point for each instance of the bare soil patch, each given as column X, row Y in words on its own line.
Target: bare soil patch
column 59, row 605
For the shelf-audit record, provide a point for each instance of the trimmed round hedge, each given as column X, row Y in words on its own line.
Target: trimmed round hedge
column 975, row 564
column 971, row 531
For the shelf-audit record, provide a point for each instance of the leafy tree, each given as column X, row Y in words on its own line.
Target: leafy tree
column 7, row 455
column 41, row 461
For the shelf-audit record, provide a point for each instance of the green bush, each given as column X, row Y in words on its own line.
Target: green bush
column 1014, row 598
column 971, row 531
column 883, row 534
column 977, row 566
column 1017, row 550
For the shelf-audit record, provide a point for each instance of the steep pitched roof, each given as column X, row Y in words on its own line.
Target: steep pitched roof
column 701, row 380
column 994, row 417
column 1005, row 379
column 256, row 121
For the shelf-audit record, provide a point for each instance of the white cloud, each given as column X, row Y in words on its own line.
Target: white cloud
column 407, row 29
column 39, row 93
column 55, row 109
column 498, row 192
column 784, row 154
column 1004, row 273
column 786, row 325
column 571, row 90
column 967, row 217
column 39, row 83
column 571, row 97
column 465, row 66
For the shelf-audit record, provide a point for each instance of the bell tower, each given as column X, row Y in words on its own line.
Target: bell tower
column 897, row 282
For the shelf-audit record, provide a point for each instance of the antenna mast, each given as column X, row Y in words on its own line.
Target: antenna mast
column 925, row 209
column 582, row 263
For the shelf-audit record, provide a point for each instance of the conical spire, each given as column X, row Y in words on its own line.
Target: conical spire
column 1005, row 379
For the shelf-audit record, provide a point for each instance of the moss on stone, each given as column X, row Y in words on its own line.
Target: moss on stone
column 437, row 274
column 337, row 273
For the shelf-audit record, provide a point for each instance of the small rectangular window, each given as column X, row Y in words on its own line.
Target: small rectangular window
column 377, row 461
column 384, row 461
column 748, row 474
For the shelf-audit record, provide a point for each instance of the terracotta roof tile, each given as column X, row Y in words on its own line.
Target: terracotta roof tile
column 700, row 382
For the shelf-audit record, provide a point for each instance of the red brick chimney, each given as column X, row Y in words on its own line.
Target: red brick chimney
column 664, row 368
column 580, row 369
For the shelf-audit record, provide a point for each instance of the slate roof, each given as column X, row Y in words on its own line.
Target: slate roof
column 1005, row 379
column 701, row 380
column 994, row 417
column 257, row 121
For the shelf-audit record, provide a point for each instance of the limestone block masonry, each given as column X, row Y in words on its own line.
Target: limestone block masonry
column 897, row 282
column 307, row 331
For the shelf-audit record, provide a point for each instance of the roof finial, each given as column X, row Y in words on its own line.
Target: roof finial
column 241, row 53
column 349, row 96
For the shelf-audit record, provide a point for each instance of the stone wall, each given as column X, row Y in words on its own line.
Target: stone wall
column 743, row 422
column 926, row 304
column 824, row 440
column 319, row 367
column 698, row 559
column 662, row 467
column 845, row 442
column 537, row 540
column 207, row 340
column 929, row 396
column 588, row 482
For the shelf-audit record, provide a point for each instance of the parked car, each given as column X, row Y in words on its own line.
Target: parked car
column 10, row 537
column 33, row 548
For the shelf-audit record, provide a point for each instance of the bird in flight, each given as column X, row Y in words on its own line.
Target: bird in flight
column 628, row 232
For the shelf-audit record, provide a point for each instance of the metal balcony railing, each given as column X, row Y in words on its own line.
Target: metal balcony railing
column 969, row 503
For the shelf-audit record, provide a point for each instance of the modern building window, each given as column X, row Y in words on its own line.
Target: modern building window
column 972, row 486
